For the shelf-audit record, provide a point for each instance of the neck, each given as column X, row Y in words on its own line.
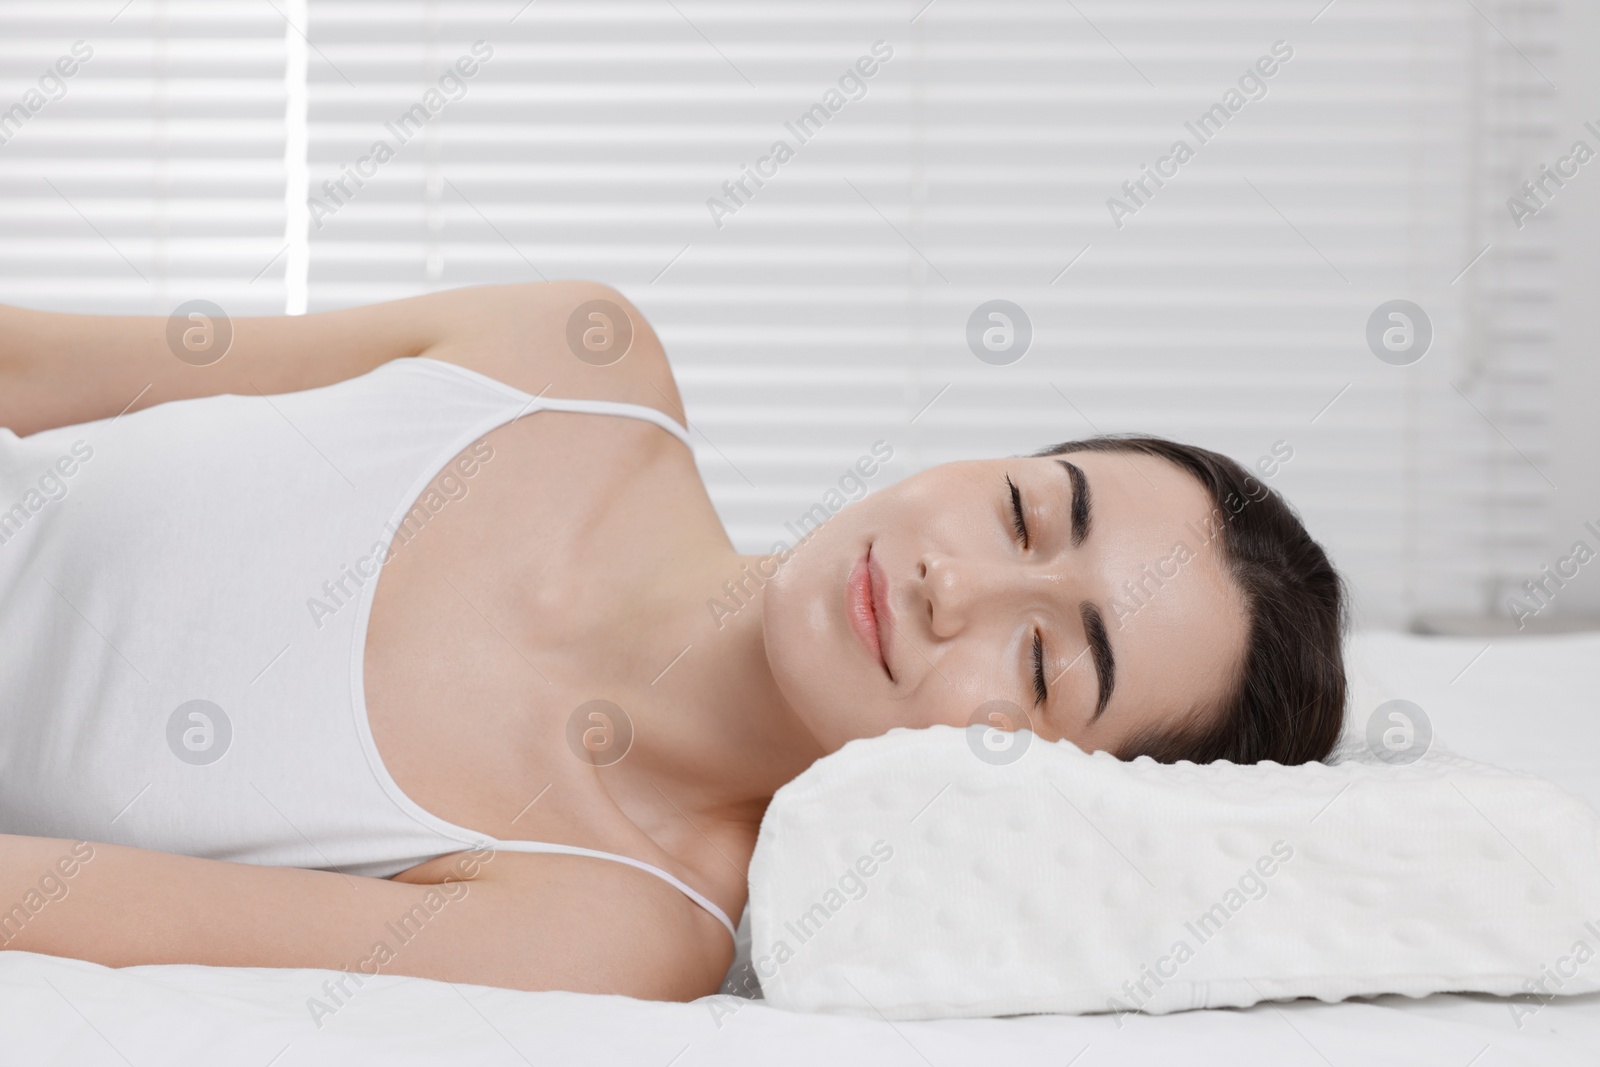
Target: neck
column 715, row 724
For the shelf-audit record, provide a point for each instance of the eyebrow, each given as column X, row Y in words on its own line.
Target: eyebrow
column 1081, row 502
column 1105, row 664
column 1094, row 627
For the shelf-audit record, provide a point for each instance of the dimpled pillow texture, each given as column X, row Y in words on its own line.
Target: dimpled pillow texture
column 905, row 876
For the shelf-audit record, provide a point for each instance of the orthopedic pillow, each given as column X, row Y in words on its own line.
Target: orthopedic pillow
column 907, row 877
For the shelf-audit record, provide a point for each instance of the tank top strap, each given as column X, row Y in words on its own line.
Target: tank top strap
column 574, row 850
column 532, row 403
column 615, row 407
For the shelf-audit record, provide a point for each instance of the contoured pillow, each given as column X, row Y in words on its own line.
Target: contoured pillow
column 909, row 876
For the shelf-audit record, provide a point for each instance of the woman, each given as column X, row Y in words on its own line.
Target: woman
column 225, row 740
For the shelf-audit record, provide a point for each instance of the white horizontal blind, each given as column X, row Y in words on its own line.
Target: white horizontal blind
column 1513, row 302
column 154, row 174
column 829, row 308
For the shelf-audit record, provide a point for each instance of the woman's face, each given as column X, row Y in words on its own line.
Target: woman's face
column 1104, row 611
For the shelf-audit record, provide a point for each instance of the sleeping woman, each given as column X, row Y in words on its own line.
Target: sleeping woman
column 378, row 640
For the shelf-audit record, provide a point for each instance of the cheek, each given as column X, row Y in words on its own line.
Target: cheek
column 804, row 587
column 963, row 684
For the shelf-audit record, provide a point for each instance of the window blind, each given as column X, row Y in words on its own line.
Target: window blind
column 153, row 173
column 819, row 300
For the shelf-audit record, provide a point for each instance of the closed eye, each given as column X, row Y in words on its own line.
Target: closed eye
column 1017, row 520
column 1041, row 691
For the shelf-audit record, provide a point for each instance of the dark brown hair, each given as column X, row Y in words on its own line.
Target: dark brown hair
column 1287, row 702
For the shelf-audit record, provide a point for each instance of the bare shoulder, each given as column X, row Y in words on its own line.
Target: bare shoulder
column 576, row 340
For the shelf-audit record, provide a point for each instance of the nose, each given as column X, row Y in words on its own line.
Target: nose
column 957, row 591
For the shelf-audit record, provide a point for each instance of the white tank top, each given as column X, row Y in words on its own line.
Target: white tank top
column 184, row 597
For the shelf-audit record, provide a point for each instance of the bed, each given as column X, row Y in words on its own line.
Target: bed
column 1524, row 703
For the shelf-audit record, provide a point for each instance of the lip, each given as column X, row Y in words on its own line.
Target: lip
column 866, row 602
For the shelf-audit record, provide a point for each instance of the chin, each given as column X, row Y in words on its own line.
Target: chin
column 820, row 668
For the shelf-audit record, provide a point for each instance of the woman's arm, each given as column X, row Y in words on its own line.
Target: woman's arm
column 514, row 920
column 59, row 369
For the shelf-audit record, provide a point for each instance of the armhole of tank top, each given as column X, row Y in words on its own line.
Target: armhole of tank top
column 458, row 371
column 706, row 903
column 642, row 412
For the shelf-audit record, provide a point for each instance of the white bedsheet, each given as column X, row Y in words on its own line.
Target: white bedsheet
column 1529, row 704
column 64, row 1011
